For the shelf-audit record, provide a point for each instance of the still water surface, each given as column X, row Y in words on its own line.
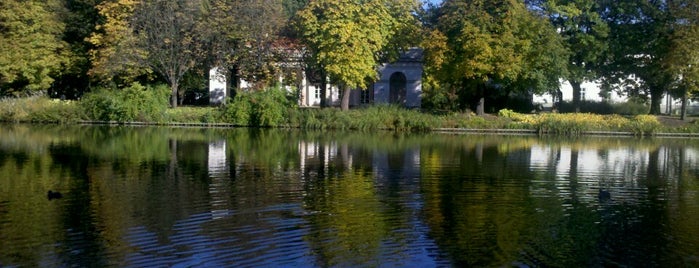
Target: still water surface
column 149, row 197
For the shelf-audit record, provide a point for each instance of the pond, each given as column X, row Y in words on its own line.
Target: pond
column 159, row 196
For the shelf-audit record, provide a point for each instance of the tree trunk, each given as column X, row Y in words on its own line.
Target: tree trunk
column 345, row 98
column 323, row 90
column 683, row 112
column 656, row 97
column 173, row 95
column 559, row 101
column 576, row 95
column 480, row 108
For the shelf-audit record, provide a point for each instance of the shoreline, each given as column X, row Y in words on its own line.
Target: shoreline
column 598, row 133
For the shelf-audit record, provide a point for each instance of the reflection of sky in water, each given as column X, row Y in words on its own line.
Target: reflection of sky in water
column 279, row 238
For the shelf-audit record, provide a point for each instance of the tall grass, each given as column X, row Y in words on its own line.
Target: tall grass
column 385, row 117
column 577, row 123
column 39, row 109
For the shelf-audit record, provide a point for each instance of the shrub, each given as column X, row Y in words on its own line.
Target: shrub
column 631, row 108
column 595, row 107
column 134, row 103
column 268, row 108
column 193, row 115
column 237, row 110
column 645, row 124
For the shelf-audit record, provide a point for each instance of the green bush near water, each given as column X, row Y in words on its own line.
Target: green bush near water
column 370, row 118
column 188, row 114
column 630, row 107
column 133, row 103
column 268, row 108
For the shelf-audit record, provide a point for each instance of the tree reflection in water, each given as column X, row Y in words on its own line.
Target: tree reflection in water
column 169, row 196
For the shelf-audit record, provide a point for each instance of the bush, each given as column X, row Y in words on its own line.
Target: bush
column 268, row 108
column 237, row 110
column 134, row 103
column 645, row 124
column 631, row 108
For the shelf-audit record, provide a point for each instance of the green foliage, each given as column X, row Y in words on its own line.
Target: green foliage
column 192, row 115
column 492, row 45
column 134, row 103
column 30, row 41
column 379, row 117
column 268, row 108
column 641, row 46
column 114, row 52
column 644, row 124
column 237, row 110
column 585, row 34
column 348, row 38
column 631, row 107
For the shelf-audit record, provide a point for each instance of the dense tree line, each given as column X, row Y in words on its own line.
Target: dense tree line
column 475, row 50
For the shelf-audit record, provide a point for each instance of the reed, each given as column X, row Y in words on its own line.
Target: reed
column 577, row 123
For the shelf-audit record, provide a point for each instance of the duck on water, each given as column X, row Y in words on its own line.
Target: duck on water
column 54, row 195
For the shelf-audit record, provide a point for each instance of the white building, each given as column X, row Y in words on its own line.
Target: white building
column 590, row 91
column 399, row 82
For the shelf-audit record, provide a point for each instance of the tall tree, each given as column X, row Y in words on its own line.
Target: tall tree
column 494, row 45
column 348, row 37
column 114, row 53
column 81, row 18
column 168, row 31
column 259, row 25
column 33, row 52
column 639, row 44
column 585, row 34
column 683, row 58
column 140, row 37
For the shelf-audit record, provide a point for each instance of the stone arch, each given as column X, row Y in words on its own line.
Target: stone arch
column 398, row 85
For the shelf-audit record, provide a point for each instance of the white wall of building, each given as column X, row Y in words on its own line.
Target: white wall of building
column 589, row 91
column 217, row 86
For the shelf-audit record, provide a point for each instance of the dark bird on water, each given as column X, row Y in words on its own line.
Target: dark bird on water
column 604, row 195
column 54, row 195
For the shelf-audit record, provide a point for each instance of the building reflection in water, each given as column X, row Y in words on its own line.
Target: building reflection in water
column 220, row 184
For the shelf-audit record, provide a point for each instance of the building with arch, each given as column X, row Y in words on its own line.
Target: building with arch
column 399, row 83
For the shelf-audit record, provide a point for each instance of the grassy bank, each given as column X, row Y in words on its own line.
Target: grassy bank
column 274, row 109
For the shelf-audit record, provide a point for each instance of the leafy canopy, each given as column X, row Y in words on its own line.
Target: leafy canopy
column 33, row 52
column 348, row 37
